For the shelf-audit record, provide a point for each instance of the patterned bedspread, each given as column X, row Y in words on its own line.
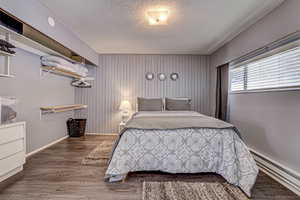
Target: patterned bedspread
column 184, row 150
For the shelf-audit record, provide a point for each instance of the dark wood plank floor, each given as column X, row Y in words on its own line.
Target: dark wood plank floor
column 56, row 174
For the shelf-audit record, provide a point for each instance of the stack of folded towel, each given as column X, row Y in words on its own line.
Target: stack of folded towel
column 56, row 61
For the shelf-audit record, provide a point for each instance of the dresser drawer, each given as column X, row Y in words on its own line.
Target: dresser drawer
column 11, row 148
column 12, row 162
column 11, row 133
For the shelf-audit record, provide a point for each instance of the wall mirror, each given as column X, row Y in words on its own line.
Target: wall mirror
column 161, row 76
column 149, row 76
column 174, row 76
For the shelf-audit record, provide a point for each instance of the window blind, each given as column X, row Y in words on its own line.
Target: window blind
column 281, row 70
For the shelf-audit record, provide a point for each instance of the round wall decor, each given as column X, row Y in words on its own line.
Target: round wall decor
column 161, row 76
column 174, row 76
column 149, row 76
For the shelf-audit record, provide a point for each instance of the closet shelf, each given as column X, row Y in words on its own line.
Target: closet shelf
column 23, row 42
column 61, row 72
column 62, row 108
column 7, row 76
column 6, row 69
column 27, row 44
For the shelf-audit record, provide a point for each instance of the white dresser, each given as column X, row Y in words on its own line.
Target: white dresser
column 12, row 149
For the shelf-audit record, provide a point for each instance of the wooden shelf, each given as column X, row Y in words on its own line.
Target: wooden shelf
column 7, row 76
column 61, row 72
column 4, row 53
column 27, row 44
column 62, row 108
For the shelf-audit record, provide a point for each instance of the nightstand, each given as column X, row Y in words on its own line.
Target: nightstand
column 121, row 126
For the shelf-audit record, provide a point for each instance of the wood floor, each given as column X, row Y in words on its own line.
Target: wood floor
column 57, row 174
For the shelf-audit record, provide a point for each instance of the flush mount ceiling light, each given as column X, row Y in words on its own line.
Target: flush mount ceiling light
column 158, row 16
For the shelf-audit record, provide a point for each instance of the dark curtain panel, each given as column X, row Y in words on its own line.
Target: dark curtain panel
column 222, row 92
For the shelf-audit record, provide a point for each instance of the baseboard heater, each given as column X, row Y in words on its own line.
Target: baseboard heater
column 280, row 173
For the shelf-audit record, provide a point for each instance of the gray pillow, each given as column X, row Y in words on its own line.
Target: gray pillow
column 149, row 104
column 178, row 104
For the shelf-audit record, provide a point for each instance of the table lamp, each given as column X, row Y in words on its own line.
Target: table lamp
column 125, row 107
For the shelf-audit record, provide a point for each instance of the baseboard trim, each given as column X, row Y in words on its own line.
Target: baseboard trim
column 102, row 134
column 11, row 173
column 46, row 146
column 285, row 176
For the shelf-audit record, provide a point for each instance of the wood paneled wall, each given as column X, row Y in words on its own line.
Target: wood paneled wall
column 122, row 77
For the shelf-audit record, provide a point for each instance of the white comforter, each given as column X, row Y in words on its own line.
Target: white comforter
column 184, row 150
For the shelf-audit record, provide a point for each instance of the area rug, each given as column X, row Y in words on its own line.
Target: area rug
column 100, row 155
column 191, row 191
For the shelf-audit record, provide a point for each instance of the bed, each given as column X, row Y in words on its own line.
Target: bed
column 182, row 142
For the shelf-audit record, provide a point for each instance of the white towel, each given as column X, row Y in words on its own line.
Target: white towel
column 80, row 69
column 53, row 64
column 56, row 61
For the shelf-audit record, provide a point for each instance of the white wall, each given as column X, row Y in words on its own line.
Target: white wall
column 34, row 91
column 270, row 121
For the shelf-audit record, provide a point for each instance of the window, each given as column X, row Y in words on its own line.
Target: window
column 281, row 70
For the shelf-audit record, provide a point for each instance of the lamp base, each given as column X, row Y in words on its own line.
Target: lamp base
column 125, row 115
column 121, row 126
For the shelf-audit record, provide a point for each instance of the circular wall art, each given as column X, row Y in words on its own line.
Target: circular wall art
column 174, row 76
column 149, row 76
column 161, row 76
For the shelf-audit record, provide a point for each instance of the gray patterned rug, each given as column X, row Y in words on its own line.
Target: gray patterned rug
column 191, row 191
column 100, row 155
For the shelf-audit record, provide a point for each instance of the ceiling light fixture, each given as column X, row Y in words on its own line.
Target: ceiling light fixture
column 158, row 16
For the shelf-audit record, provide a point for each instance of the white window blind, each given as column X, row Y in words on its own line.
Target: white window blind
column 237, row 78
column 281, row 70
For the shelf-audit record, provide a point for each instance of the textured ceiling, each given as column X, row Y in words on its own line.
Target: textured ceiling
column 194, row 26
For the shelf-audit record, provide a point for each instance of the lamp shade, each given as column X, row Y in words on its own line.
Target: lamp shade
column 125, row 105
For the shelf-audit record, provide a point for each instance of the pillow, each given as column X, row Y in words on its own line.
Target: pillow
column 149, row 104
column 178, row 104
